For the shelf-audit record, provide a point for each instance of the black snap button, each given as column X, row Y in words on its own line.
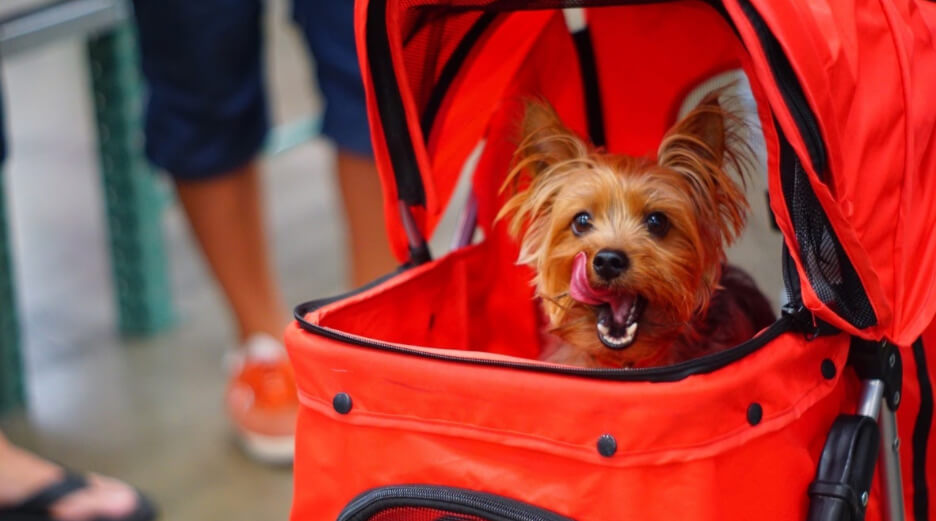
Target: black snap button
column 754, row 413
column 342, row 403
column 828, row 369
column 607, row 445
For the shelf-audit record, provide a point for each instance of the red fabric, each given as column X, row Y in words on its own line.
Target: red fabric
column 532, row 436
column 685, row 449
column 867, row 69
column 880, row 142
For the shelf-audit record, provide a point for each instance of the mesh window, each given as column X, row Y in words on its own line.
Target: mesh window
column 422, row 514
column 830, row 273
column 438, row 503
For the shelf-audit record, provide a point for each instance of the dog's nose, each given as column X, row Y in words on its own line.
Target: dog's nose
column 609, row 264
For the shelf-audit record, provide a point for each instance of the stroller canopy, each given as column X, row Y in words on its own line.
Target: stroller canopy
column 845, row 97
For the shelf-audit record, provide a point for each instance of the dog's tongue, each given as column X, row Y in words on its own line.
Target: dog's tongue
column 582, row 291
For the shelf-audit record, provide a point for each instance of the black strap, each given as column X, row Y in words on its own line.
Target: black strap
column 836, row 490
column 921, row 434
column 45, row 498
column 590, row 86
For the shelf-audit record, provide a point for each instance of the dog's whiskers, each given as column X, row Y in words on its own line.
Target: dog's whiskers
column 554, row 300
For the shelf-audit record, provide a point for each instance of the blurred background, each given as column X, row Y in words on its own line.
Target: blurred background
column 146, row 407
column 122, row 330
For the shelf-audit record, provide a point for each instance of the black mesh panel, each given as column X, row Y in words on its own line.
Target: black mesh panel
column 422, row 514
column 830, row 273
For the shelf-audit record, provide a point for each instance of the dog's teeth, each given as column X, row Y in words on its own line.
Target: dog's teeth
column 631, row 333
column 603, row 329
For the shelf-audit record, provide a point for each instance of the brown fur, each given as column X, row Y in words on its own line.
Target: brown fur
column 557, row 175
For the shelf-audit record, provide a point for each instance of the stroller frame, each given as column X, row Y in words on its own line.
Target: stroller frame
column 875, row 406
column 879, row 364
column 447, row 394
column 879, row 367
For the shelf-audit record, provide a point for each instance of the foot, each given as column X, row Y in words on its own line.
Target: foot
column 23, row 475
column 262, row 402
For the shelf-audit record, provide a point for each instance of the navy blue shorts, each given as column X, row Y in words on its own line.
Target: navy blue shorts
column 202, row 59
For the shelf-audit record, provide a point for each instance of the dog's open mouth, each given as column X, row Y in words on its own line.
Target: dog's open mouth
column 617, row 322
column 618, row 312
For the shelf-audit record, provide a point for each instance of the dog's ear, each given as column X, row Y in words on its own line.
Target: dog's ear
column 545, row 140
column 703, row 128
column 699, row 147
column 548, row 154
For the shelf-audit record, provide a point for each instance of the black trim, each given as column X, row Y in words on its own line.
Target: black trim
column 921, row 434
column 390, row 107
column 704, row 364
column 791, row 280
column 450, row 71
column 828, row 268
column 790, row 88
column 460, row 502
column 878, row 360
column 539, row 5
column 846, row 468
column 590, row 86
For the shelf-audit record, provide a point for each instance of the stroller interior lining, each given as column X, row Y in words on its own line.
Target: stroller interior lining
column 465, row 68
column 457, row 313
column 434, row 361
column 481, row 301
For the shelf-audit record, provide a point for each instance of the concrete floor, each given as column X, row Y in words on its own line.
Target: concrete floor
column 149, row 411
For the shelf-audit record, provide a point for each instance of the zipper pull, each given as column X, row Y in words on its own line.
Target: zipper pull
column 805, row 322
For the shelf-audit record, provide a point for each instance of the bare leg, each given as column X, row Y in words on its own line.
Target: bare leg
column 360, row 188
column 22, row 474
column 226, row 215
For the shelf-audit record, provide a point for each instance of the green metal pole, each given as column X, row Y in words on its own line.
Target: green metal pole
column 12, row 388
column 134, row 202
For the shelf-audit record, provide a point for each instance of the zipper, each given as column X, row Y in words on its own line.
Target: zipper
column 457, row 501
column 790, row 320
column 790, row 89
column 793, row 318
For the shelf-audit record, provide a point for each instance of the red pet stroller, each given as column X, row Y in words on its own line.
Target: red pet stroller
column 422, row 397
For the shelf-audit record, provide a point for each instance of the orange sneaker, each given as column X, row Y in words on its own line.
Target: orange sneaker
column 261, row 400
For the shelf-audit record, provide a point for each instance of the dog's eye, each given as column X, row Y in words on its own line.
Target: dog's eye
column 581, row 223
column 657, row 224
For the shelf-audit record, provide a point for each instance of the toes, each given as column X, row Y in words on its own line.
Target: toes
column 104, row 497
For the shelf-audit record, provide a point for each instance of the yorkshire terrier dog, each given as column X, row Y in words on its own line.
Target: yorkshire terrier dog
column 629, row 253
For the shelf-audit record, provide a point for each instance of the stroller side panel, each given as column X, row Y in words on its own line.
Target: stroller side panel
column 424, row 381
column 915, row 427
column 735, row 443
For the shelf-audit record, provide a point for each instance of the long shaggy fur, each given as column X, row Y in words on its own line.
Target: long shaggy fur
column 557, row 175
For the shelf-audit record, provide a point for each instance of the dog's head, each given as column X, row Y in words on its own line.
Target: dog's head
column 625, row 250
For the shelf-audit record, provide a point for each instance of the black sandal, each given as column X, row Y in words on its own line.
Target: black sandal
column 36, row 508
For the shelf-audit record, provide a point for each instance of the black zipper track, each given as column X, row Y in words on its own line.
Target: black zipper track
column 394, row 124
column 704, row 364
column 790, row 89
column 390, row 107
column 921, row 434
column 451, row 69
column 393, row 118
column 458, row 501
column 588, row 68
